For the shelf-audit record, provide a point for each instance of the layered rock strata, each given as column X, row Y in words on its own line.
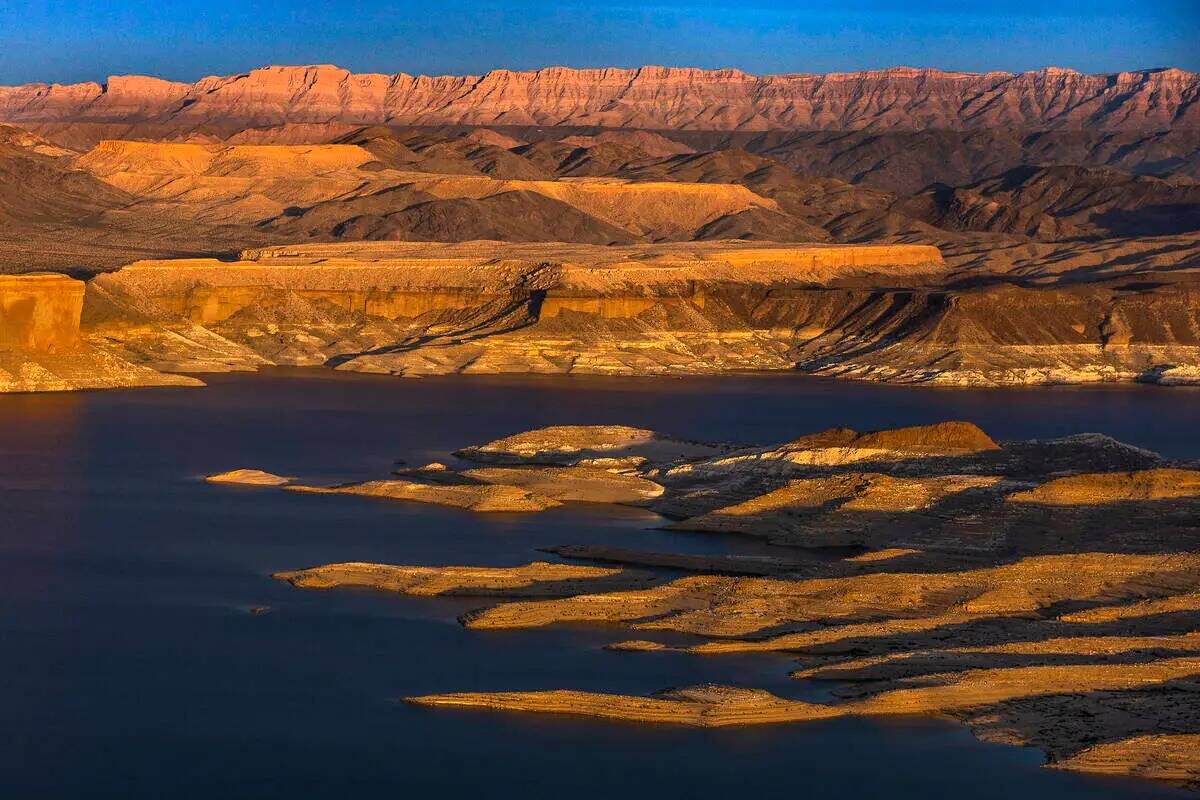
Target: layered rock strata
column 479, row 308
column 1166, row 757
column 648, row 97
column 41, row 347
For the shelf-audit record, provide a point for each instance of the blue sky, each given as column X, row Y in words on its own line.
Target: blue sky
column 72, row 41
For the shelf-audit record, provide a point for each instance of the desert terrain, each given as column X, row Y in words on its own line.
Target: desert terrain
column 901, row 226
column 1059, row 212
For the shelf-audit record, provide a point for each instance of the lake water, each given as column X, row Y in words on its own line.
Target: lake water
column 132, row 667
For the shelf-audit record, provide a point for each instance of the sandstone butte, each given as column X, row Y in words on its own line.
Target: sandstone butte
column 652, row 98
column 1080, row 636
column 315, row 304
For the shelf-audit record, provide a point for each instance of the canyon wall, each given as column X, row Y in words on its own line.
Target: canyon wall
column 1001, row 334
column 41, row 348
column 40, row 312
column 400, row 281
column 881, row 313
column 648, row 97
column 888, row 313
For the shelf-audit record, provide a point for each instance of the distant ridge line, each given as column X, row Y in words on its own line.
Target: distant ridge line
column 649, row 97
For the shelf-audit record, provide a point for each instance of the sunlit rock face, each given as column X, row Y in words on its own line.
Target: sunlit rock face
column 40, row 344
column 1043, row 592
column 480, row 307
column 866, row 312
column 652, row 98
column 40, row 312
column 415, row 309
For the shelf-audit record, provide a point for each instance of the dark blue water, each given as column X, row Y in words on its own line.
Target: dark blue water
column 132, row 669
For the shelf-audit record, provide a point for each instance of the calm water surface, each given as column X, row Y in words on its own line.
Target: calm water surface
column 132, row 667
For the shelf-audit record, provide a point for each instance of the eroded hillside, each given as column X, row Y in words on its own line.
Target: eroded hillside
column 479, row 308
column 124, row 200
column 562, row 234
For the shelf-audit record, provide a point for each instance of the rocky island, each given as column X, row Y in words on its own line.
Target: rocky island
column 1043, row 592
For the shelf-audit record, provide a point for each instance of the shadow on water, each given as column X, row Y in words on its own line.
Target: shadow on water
column 133, row 667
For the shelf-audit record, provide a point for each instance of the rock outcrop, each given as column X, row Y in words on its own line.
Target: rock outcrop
column 738, row 607
column 539, row 579
column 419, row 309
column 249, row 477
column 596, row 445
column 719, row 706
column 1043, row 652
column 473, row 497
column 1115, row 487
column 1164, row 757
column 413, row 309
column 578, row 484
column 40, row 344
column 1047, row 603
column 708, row 706
column 841, row 510
column 1010, row 500
column 1005, row 335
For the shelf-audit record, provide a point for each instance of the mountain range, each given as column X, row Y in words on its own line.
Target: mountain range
column 652, row 98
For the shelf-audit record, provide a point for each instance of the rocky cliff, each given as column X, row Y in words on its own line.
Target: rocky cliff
column 1005, row 335
column 40, row 312
column 40, row 345
column 885, row 313
column 648, row 97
